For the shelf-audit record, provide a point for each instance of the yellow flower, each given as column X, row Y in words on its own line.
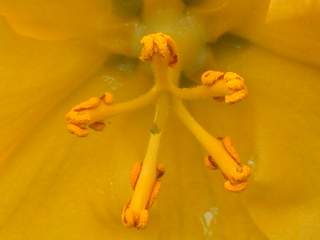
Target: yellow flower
column 55, row 54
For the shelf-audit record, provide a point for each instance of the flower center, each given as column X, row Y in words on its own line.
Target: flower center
column 160, row 50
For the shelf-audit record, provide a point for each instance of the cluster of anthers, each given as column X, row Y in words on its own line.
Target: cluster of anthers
column 160, row 50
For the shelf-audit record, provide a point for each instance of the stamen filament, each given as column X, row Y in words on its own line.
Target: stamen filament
column 210, row 143
column 219, row 89
column 128, row 106
column 160, row 72
column 230, row 168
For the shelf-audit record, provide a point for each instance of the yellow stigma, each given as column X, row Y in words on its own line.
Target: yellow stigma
column 160, row 50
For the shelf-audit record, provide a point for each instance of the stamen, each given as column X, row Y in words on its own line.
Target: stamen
column 235, row 173
column 94, row 111
column 228, row 86
column 227, row 143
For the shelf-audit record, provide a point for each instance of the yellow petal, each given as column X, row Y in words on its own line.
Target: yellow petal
column 290, row 28
column 284, row 97
column 57, row 19
column 35, row 76
column 221, row 16
column 58, row 186
column 66, row 187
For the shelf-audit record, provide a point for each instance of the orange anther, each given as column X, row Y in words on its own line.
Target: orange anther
column 89, row 104
column 138, row 218
column 143, row 219
column 98, row 126
column 88, row 114
column 235, row 173
column 159, row 44
column 154, row 193
column 160, row 170
column 235, row 187
column 210, row 163
column 236, row 96
column 208, row 78
column 129, row 219
column 107, row 98
column 75, row 129
column 135, row 172
column 236, row 84
column 227, row 143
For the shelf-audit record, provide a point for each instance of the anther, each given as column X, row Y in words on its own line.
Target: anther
column 87, row 114
column 135, row 172
column 159, row 44
column 129, row 219
column 91, row 103
column 154, row 193
column 97, row 126
column 107, row 98
column 140, row 219
column 237, row 181
column 160, row 170
column 76, row 130
column 210, row 163
column 78, row 117
column 235, row 187
column 208, row 78
column 235, row 85
column 143, row 219
column 227, row 143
